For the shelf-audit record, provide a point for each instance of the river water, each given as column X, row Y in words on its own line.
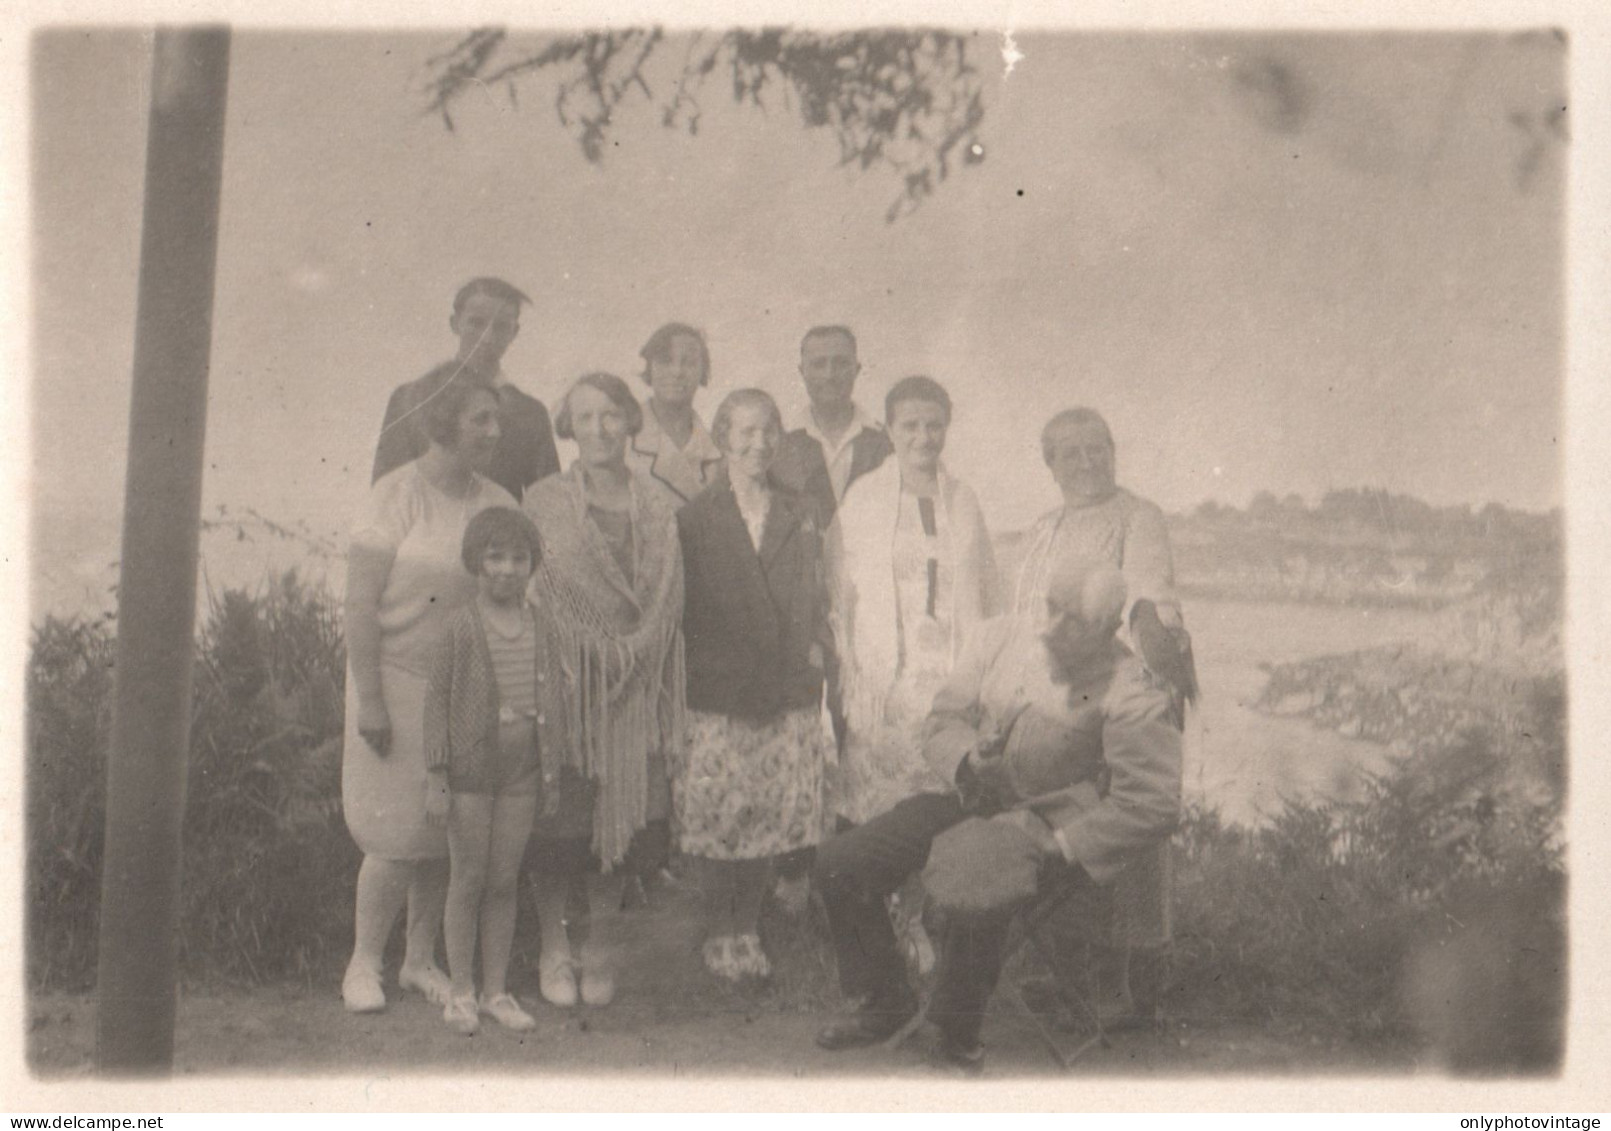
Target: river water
column 1246, row 764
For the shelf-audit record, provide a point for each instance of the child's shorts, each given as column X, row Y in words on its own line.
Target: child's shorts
column 511, row 768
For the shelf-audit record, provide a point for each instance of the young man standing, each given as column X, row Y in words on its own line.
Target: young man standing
column 839, row 443
column 486, row 319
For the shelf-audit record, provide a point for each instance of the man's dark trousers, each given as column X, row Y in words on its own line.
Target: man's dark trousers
column 858, row 869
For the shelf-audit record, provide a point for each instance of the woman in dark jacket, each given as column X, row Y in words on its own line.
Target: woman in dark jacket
column 755, row 624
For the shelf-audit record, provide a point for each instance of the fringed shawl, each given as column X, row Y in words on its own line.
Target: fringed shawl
column 623, row 643
column 861, row 579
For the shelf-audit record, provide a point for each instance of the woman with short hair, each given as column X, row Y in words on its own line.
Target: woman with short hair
column 673, row 449
column 404, row 583
column 612, row 576
column 752, row 785
column 1099, row 521
column 912, row 571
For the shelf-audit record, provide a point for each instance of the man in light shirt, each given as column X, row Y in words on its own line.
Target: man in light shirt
column 839, row 442
column 1067, row 767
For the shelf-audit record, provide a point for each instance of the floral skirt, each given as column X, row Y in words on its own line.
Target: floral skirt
column 748, row 790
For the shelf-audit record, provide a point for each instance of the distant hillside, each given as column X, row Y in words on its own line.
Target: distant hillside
column 1370, row 547
column 1363, row 547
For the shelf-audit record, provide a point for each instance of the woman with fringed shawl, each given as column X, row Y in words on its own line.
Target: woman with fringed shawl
column 612, row 575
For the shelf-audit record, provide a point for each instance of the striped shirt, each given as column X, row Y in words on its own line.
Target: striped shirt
column 514, row 665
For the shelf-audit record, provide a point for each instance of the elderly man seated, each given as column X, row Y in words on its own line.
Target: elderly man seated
column 1065, row 755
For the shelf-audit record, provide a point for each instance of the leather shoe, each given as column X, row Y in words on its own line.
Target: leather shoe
column 868, row 1025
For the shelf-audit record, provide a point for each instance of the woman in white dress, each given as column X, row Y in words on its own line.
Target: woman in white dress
column 911, row 572
column 405, row 580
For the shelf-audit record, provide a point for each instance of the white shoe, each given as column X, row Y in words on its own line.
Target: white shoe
column 793, row 895
column 719, row 958
column 556, row 979
column 361, row 992
column 598, row 986
column 749, row 956
column 427, row 980
column 506, row 1011
column 462, row 1015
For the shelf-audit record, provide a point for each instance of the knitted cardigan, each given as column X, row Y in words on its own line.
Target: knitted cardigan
column 461, row 692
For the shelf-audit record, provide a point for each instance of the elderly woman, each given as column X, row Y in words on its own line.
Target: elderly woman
column 912, row 572
column 753, row 786
column 404, row 582
column 612, row 576
column 673, row 449
column 1100, row 521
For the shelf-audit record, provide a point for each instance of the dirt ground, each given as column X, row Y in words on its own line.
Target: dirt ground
column 670, row 1020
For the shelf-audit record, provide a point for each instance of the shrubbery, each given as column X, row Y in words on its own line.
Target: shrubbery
column 1434, row 904
column 266, row 890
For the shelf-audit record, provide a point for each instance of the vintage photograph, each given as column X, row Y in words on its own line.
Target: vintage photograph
column 789, row 553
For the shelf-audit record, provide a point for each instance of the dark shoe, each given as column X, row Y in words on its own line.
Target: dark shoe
column 868, row 1025
column 958, row 1056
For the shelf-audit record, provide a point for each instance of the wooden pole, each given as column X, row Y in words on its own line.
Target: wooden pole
column 157, row 586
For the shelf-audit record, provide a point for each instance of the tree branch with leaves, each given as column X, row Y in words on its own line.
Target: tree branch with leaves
column 906, row 100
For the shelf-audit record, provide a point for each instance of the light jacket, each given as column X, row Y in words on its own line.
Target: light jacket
column 1099, row 761
column 679, row 472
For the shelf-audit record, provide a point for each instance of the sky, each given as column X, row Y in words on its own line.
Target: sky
column 1284, row 262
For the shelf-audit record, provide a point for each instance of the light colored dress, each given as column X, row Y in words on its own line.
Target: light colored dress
column 383, row 799
column 884, row 763
column 1127, row 532
column 911, row 578
column 1123, row 530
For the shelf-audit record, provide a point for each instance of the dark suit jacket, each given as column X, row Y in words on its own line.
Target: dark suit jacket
column 802, row 467
column 749, row 619
column 525, row 451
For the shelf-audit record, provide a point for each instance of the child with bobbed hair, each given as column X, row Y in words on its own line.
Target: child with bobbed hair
column 494, row 738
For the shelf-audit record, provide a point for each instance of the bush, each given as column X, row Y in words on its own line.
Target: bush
column 69, row 699
column 268, row 867
column 1348, row 916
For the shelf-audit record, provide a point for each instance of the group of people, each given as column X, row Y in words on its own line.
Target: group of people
column 786, row 655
